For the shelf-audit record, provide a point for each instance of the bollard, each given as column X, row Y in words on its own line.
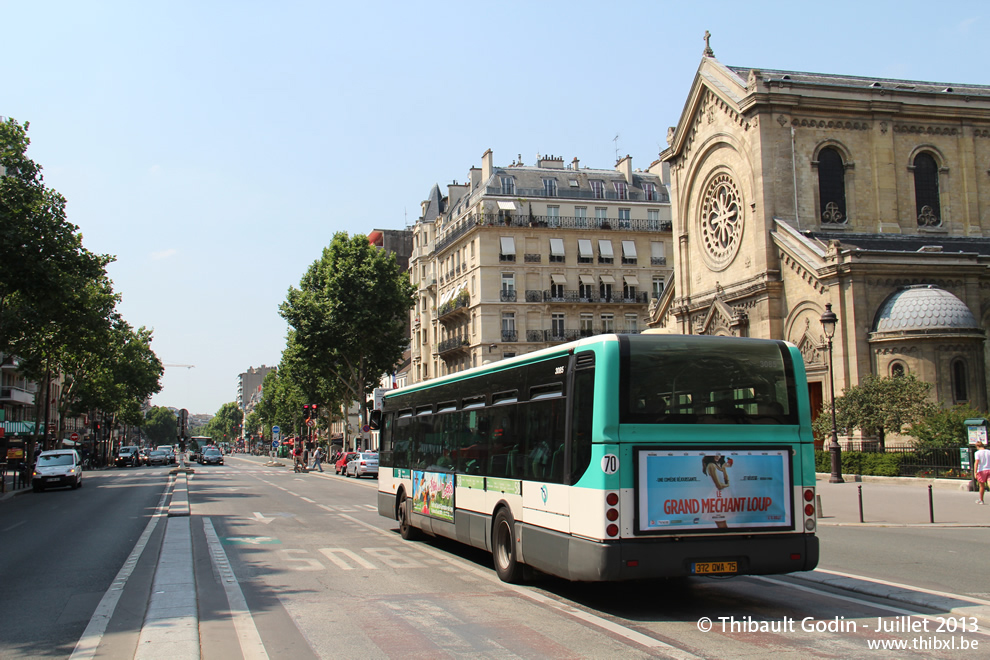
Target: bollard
column 860, row 504
column 818, row 506
column 931, row 505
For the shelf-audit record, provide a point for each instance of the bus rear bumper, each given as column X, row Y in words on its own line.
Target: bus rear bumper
column 638, row 559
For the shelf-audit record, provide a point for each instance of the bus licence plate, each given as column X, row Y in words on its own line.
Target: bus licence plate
column 714, row 567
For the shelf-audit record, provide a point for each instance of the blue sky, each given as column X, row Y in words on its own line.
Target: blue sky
column 216, row 147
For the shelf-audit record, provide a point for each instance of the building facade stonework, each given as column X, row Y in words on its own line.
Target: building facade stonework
column 523, row 257
column 791, row 190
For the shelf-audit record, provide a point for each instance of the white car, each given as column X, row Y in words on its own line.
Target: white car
column 57, row 467
column 363, row 464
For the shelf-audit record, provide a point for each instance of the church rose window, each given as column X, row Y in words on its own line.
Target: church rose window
column 721, row 220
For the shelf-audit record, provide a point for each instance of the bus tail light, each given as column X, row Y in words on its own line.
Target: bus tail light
column 612, row 513
column 809, row 509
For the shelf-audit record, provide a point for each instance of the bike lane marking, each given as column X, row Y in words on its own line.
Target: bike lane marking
column 90, row 641
column 252, row 648
column 611, row 626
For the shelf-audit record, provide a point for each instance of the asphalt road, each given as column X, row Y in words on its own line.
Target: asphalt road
column 320, row 574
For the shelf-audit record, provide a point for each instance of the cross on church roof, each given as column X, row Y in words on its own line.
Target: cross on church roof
column 708, row 48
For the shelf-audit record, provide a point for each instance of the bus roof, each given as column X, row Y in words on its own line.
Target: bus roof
column 535, row 356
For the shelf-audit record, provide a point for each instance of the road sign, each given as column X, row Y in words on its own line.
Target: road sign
column 74, row 437
column 275, row 444
column 276, row 430
column 365, row 428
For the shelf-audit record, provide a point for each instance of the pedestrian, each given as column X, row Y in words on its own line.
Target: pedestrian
column 317, row 459
column 298, row 454
column 981, row 469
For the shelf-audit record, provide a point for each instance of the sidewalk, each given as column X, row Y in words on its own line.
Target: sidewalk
column 896, row 501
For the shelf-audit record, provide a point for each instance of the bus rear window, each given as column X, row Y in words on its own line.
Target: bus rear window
column 694, row 379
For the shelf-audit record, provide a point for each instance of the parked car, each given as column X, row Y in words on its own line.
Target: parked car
column 58, row 467
column 158, row 457
column 211, row 455
column 169, row 450
column 341, row 463
column 128, row 457
column 362, row 465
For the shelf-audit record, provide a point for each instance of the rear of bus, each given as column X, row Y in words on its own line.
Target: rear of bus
column 702, row 461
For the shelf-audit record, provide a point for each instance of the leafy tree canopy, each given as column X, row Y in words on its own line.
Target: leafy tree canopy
column 348, row 320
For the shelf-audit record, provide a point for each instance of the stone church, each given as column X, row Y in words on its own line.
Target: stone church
column 790, row 191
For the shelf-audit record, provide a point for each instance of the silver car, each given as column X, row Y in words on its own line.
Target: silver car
column 362, row 465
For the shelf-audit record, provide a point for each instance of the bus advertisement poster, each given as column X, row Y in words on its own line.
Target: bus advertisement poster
column 702, row 489
column 433, row 494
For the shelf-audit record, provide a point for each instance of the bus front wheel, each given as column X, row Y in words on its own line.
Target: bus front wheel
column 504, row 547
column 406, row 530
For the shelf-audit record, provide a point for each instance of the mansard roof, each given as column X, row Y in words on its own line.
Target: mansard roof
column 860, row 82
column 906, row 242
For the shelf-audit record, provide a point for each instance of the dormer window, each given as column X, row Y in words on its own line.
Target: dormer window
column 650, row 192
column 550, row 187
column 598, row 189
column 621, row 190
column 508, row 185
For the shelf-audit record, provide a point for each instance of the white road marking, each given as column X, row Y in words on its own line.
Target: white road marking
column 93, row 635
column 252, row 648
column 597, row 621
column 333, row 554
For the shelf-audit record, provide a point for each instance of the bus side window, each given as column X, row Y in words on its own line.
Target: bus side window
column 581, row 418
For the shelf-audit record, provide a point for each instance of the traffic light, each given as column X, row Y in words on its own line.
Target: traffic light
column 306, row 412
column 313, row 411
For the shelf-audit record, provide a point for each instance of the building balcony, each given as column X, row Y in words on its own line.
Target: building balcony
column 454, row 308
column 449, row 346
column 571, row 296
column 509, row 335
column 507, row 295
column 561, row 335
column 17, row 395
column 608, row 195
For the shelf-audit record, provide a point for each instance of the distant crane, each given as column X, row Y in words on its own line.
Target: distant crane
column 186, row 366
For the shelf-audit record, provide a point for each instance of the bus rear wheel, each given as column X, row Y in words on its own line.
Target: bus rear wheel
column 406, row 530
column 507, row 567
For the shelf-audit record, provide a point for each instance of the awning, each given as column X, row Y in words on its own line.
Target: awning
column 557, row 278
column 584, row 248
column 557, row 247
column 508, row 245
column 587, row 279
column 631, row 280
column 506, row 206
column 608, row 279
column 605, row 248
column 629, row 249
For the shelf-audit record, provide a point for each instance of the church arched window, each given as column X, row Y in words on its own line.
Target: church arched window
column 926, row 191
column 831, row 187
column 897, row 370
column 960, row 392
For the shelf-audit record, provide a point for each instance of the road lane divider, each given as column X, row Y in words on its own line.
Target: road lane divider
column 252, row 648
column 90, row 641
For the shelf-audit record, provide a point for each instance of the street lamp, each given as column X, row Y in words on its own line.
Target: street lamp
column 829, row 319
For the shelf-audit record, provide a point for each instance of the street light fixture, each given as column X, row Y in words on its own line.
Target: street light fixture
column 829, row 320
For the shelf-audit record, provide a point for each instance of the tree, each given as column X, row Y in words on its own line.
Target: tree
column 944, row 428
column 161, row 426
column 226, row 424
column 877, row 406
column 42, row 260
column 349, row 319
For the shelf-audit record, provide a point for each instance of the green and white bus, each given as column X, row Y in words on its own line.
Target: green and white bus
column 615, row 457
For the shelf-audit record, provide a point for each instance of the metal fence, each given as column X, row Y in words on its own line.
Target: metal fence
column 929, row 463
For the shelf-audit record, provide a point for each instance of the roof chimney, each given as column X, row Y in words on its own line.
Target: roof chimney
column 486, row 166
column 575, row 163
column 625, row 166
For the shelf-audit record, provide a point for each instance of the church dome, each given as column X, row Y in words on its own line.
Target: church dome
column 924, row 307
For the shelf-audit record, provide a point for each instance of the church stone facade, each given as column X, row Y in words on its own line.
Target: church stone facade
column 793, row 190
